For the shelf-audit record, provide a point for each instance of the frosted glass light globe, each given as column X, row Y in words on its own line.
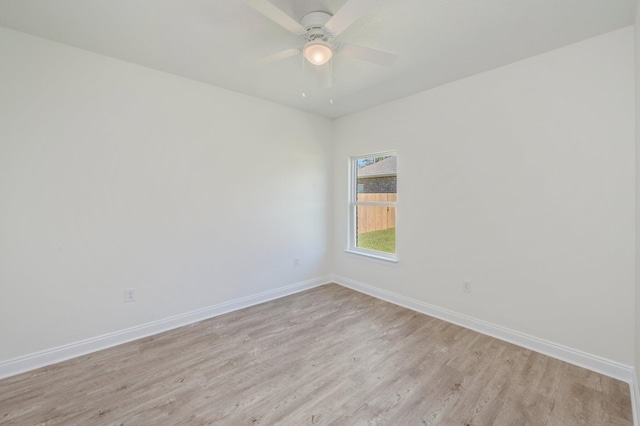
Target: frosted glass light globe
column 318, row 52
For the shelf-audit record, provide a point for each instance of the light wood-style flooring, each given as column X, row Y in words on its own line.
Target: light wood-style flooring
column 328, row 355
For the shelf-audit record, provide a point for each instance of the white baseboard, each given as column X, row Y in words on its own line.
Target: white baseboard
column 573, row 356
column 61, row 353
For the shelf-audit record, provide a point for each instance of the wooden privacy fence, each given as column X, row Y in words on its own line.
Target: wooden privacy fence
column 376, row 218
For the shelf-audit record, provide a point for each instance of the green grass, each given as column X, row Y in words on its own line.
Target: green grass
column 384, row 240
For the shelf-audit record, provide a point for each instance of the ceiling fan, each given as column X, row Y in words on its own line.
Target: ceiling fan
column 319, row 29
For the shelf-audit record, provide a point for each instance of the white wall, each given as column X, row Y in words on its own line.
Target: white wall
column 520, row 179
column 113, row 176
column 637, row 198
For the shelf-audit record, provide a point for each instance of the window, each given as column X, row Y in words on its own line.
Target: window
column 372, row 205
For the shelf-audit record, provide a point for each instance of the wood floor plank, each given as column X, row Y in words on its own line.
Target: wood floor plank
column 327, row 356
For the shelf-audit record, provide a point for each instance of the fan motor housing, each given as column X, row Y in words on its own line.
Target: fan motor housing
column 315, row 20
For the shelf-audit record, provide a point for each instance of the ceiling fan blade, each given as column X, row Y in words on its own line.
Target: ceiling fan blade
column 323, row 73
column 278, row 56
column 367, row 54
column 269, row 10
column 348, row 14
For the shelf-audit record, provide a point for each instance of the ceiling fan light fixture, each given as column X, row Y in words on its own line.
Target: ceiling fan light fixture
column 318, row 52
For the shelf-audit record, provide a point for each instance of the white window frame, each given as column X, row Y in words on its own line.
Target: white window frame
column 353, row 204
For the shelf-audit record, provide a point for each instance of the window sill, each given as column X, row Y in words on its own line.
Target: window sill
column 372, row 255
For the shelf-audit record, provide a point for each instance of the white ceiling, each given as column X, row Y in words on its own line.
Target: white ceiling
column 217, row 41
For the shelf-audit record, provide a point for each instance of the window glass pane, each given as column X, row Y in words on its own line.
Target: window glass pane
column 375, row 175
column 376, row 228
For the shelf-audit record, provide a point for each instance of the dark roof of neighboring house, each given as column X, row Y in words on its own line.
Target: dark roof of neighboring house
column 386, row 167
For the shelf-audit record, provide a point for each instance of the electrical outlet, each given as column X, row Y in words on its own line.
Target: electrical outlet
column 466, row 286
column 129, row 295
column 296, row 262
